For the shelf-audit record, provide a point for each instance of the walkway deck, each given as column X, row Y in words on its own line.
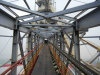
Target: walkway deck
column 44, row 64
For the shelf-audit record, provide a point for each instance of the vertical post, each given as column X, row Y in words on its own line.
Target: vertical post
column 54, row 42
column 37, row 42
column 76, row 45
column 62, row 43
column 30, row 45
column 21, row 50
column 15, row 49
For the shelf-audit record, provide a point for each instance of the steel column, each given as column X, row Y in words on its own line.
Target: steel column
column 15, row 49
column 29, row 45
column 21, row 50
column 76, row 47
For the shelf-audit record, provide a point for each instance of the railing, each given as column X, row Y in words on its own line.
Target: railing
column 62, row 67
column 29, row 66
column 76, row 65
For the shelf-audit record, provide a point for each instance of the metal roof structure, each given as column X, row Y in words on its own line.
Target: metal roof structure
column 58, row 27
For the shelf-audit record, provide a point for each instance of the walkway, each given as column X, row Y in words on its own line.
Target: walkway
column 44, row 64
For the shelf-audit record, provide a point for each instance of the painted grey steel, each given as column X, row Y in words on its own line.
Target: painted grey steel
column 26, row 16
column 76, row 16
column 45, row 25
column 8, row 21
column 85, row 69
column 67, row 17
column 67, row 4
column 90, row 37
column 5, row 36
column 41, row 18
column 59, row 20
column 32, row 20
column 9, row 9
column 26, row 4
column 75, row 9
column 21, row 50
column 21, row 8
column 14, row 50
column 29, row 46
column 94, row 57
column 76, row 48
column 90, row 20
column 76, row 45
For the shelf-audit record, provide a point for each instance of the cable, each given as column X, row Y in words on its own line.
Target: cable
column 80, row 1
column 88, row 50
column 12, row 0
column 5, row 46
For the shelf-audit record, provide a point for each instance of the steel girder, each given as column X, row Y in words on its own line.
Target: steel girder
column 88, row 21
column 92, row 19
column 75, row 9
column 83, row 68
column 8, row 21
column 26, row 16
column 21, row 8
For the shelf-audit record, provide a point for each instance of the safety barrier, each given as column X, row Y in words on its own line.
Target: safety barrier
column 29, row 66
column 62, row 67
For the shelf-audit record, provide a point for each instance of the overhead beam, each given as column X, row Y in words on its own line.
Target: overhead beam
column 21, row 8
column 46, row 25
column 26, row 4
column 90, row 20
column 8, row 21
column 67, row 17
column 71, row 10
column 67, row 4
column 75, row 9
column 32, row 20
column 91, row 44
column 26, row 16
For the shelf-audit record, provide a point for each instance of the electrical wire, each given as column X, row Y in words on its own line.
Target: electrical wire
column 12, row 0
column 80, row 1
column 88, row 50
column 5, row 46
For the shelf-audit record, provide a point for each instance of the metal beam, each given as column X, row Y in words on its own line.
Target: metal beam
column 91, row 44
column 26, row 16
column 29, row 45
column 9, row 9
column 75, row 9
column 26, row 4
column 45, row 25
column 21, row 8
column 67, row 17
column 67, row 4
column 94, row 57
column 32, row 20
column 14, row 50
column 85, row 69
column 21, row 50
column 8, row 21
column 89, row 20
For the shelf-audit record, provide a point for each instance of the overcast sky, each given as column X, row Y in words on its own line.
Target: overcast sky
column 5, row 48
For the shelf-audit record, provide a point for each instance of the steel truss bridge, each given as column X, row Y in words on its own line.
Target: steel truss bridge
column 49, row 33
